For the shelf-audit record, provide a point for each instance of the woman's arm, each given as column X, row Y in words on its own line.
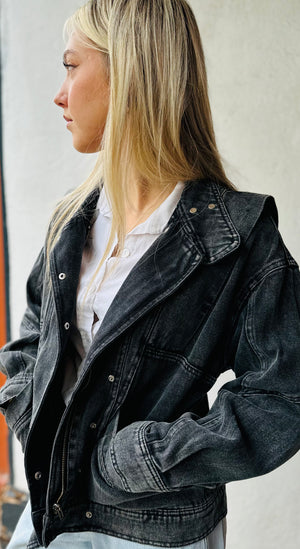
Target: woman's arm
column 254, row 425
column 17, row 359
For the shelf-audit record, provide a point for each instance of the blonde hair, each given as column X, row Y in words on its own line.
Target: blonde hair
column 159, row 119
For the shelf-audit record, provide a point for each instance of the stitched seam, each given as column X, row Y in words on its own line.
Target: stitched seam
column 21, row 380
column 273, row 394
column 117, row 470
column 30, row 325
column 23, row 419
column 264, row 273
column 250, row 333
column 148, row 460
column 174, row 357
column 233, row 231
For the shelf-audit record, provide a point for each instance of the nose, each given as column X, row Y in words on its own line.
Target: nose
column 61, row 98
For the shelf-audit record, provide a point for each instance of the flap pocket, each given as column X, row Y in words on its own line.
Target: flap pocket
column 16, row 404
column 13, row 388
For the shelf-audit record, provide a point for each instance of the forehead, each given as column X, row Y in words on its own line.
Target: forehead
column 76, row 47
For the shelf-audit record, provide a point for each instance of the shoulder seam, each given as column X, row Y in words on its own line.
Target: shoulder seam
column 265, row 273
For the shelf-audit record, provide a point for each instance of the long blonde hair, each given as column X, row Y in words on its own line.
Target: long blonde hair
column 159, row 119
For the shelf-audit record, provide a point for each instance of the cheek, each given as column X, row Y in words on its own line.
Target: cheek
column 89, row 103
column 100, row 102
column 80, row 96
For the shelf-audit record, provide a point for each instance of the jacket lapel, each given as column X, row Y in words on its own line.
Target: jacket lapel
column 199, row 231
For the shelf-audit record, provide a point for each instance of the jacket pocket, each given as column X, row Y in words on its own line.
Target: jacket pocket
column 16, row 405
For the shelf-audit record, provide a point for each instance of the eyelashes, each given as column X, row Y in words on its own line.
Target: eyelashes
column 68, row 66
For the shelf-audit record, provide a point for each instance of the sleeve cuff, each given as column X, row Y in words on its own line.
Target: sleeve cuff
column 126, row 462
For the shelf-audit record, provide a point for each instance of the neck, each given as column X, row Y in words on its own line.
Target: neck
column 142, row 200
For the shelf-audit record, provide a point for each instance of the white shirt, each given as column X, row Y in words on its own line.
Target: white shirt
column 94, row 300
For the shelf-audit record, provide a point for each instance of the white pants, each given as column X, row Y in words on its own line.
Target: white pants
column 95, row 540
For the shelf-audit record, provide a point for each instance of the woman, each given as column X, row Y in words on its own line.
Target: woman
column 156, row 277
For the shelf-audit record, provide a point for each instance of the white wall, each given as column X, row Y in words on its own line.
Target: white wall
column 40, row 165
column 253, row 60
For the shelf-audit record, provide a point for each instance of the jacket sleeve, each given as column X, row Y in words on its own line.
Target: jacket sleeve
column 17, row 360
column 254, row 424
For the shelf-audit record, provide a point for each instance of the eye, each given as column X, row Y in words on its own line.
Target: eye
column 68, row 66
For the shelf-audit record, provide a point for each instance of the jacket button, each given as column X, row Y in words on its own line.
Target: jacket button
column 38, row 475
column 66, row 325
column 62, row 276
column 193, row 210
column 88, row 514
column 93, row 425
column 211, row 206
column 111, row 379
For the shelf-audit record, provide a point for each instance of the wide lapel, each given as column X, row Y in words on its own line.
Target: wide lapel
column 199, row 231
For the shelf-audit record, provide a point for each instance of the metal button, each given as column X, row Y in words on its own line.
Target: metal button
column 88, row 514
column 211, row 206
column 38, row 475
column 66, row 325
column 193, row 210
column 93, row 425
column 111, row 379
column 62, row 276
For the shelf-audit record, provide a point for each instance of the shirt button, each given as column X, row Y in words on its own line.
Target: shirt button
column 193, row 210
column 66, row 326
column 211, row 206
column 62, row 276
column 93, row 425
column 111, row 379
column 88, row 514
column 125, row 252
column 38, row 475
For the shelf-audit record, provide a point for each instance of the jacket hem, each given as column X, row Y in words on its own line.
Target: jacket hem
column 156, row 527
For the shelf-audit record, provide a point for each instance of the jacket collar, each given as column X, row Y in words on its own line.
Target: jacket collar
column 200, row 231
column 206, row 220
column 201, row 214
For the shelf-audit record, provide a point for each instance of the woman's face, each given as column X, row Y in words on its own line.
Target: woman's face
column 84, row 95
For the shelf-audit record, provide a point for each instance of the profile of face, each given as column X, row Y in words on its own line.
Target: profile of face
column 84, row 95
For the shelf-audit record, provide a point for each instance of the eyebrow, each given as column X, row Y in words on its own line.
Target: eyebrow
column 66, row 53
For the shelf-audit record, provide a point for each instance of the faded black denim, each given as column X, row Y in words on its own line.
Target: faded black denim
column 137, row 453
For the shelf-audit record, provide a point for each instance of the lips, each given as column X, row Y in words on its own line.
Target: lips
column 68, row 120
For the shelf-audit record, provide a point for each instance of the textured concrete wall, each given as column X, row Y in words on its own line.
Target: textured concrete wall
column 253, row 60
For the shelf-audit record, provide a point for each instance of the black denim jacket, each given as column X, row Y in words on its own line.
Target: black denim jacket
column 137, row 453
